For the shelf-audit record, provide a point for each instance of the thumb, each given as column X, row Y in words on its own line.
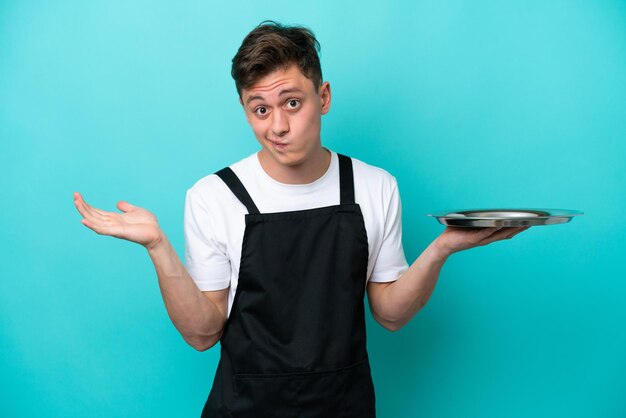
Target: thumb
column 125, row 206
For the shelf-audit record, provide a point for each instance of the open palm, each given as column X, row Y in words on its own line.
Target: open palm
column 134, row 224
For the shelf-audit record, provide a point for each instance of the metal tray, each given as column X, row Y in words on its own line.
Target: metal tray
column 486, row 218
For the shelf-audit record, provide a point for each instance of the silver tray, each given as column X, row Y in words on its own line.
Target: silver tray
column 485, row 218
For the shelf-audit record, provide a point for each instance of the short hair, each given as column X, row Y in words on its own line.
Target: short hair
column 272, row 46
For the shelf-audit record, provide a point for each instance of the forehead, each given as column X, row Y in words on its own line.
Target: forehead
column 276, row 82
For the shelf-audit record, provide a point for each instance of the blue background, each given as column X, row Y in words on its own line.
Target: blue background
column 468, row 104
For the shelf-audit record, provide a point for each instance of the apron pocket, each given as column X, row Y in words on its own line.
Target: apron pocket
column 345, row 392
column 265, row 395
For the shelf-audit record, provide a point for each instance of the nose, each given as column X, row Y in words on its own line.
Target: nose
column 280, row 124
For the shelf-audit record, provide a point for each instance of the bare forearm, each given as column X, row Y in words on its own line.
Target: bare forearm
column 394, row 304
column 399, row 301
column 197, row 318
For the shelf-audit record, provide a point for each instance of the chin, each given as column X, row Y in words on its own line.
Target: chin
column 288, row 159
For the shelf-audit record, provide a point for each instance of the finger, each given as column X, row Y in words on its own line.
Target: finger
column 87, row 211
column 125, row 206
column 487, row 233
column 99, row 227
column 79, row 198
column 507, row 233
column 85, row 205
column 80, row 203
column 95, row 226
column 96, row 210
column 96, row 213
column 519, row 230
column 81, row 208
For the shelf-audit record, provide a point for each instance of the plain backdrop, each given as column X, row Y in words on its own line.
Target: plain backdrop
column 469, row 104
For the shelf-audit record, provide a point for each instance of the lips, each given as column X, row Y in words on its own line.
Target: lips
column 278, row 144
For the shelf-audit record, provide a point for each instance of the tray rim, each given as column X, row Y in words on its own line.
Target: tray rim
column 553, row 213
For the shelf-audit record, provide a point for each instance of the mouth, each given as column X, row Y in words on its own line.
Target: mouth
column 277, row 144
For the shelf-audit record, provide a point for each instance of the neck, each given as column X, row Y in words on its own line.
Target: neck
column 302, row 173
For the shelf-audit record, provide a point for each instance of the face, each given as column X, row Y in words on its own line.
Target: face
column 284, row 110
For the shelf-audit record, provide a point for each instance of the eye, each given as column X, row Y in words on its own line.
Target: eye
column 293, row 104
column 260, row 111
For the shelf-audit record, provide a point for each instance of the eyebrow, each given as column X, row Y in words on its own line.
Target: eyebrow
column 282, row 92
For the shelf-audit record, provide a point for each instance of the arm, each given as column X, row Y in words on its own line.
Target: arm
column 198, row 316
column 394, row 304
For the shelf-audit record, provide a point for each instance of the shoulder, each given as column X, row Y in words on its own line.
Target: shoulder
column 372, row 177
column 211, row 190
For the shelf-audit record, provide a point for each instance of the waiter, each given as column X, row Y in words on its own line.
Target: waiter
column 281, row 247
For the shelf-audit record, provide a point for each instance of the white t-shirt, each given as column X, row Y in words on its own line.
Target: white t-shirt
column 215, row 218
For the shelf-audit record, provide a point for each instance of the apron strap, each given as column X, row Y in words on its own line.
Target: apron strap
column 346, row 180
column 346, row 184
column 235, row 185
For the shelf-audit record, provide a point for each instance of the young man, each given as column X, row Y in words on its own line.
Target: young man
column 281, row 247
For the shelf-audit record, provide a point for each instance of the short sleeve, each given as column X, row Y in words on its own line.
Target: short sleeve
column 205, row 256
column 391, row 261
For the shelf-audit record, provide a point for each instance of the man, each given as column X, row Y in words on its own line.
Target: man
column 281, row 247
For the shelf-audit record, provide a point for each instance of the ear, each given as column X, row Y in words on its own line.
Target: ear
column 325, row 97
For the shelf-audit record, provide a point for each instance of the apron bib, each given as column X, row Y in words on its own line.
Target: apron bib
column 294, row 344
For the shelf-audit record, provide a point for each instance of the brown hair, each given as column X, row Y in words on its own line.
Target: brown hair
column 271, row 46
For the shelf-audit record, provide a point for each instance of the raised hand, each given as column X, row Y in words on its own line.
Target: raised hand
column 135, row 224
column 455, row 239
